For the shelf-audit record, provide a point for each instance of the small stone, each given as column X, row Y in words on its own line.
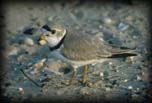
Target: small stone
column 118, row 71
column 96, row 73
column 131, row 58
column 11, row 50
column 107, row 89
column 77, row 27
column 135, row 37
column 42, row 42
column 98, row 83
column 84, row 91
column 100, row 34
column 89, row 84
column 129, row 18
column 21, row 91
column 107, row 20
column 39, row 24
column 50, row 18
column 139, row 77
column 101, row 74
column 66, row 82
column 60, row 92
column 100, row 26
column 138, row 89
column 122, row 26
column 15, row 69
column 130, row 87
column 126, row 80
column 45, row 88
column 110, row 63
column 29, row 41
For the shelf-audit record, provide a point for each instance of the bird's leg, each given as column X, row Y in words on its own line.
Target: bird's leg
column 73, row 76
column 84, row 75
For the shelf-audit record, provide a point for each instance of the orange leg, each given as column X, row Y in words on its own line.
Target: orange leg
column 73, row 76
column 84, row 75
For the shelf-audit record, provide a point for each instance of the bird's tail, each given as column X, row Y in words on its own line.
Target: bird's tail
column 124, row 53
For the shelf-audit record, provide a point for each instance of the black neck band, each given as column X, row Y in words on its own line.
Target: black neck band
column 58, row 45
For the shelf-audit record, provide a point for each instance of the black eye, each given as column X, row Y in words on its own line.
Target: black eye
column 53, row 31
column 47, row 34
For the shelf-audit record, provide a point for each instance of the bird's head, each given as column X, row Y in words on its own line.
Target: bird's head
column 54, row 36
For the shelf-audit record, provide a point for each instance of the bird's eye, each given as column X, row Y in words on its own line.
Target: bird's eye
column 53, row 31
column 47, row 34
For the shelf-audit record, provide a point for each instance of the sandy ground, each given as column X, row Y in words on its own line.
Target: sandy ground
column 120, row 79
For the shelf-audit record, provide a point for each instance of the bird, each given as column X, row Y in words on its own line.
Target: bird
column 80, row 49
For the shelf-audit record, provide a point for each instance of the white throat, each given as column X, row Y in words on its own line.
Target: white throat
column 53, row 41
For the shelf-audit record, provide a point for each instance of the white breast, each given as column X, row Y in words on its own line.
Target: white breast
column 53, row 41
column 77, row 64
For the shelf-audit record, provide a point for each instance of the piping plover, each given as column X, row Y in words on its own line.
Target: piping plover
column 81, row 49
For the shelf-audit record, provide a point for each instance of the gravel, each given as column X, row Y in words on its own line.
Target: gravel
column 117, row 79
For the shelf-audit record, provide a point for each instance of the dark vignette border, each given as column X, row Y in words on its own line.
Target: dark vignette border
column 2, row 42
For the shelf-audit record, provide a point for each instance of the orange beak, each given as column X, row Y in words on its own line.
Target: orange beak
column 42, row 37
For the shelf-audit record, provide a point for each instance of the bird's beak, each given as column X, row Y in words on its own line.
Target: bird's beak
column 42, row 39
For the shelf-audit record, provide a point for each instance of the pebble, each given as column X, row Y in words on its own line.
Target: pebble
column 50, row 18
column 99, row 83
column 15, row 69
column 101, row 74
column 126, row 80
column 100, row 34
column 130, row 59
column 118, row 71
column 130, row 87
column 96, row 73
column 138, row 89
column 29, row 41
column 135, row 37
column 129, row 18
column 139, row 77
column 45, row 88
column 84, row 91
column 100, row 26
column 39, row 23
column 60, row 92
column 110, row 63
column 107, row 89
column 122, row 26
column 11, row 50
column 21, row 91
column 107, row 20
column 89, row 84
